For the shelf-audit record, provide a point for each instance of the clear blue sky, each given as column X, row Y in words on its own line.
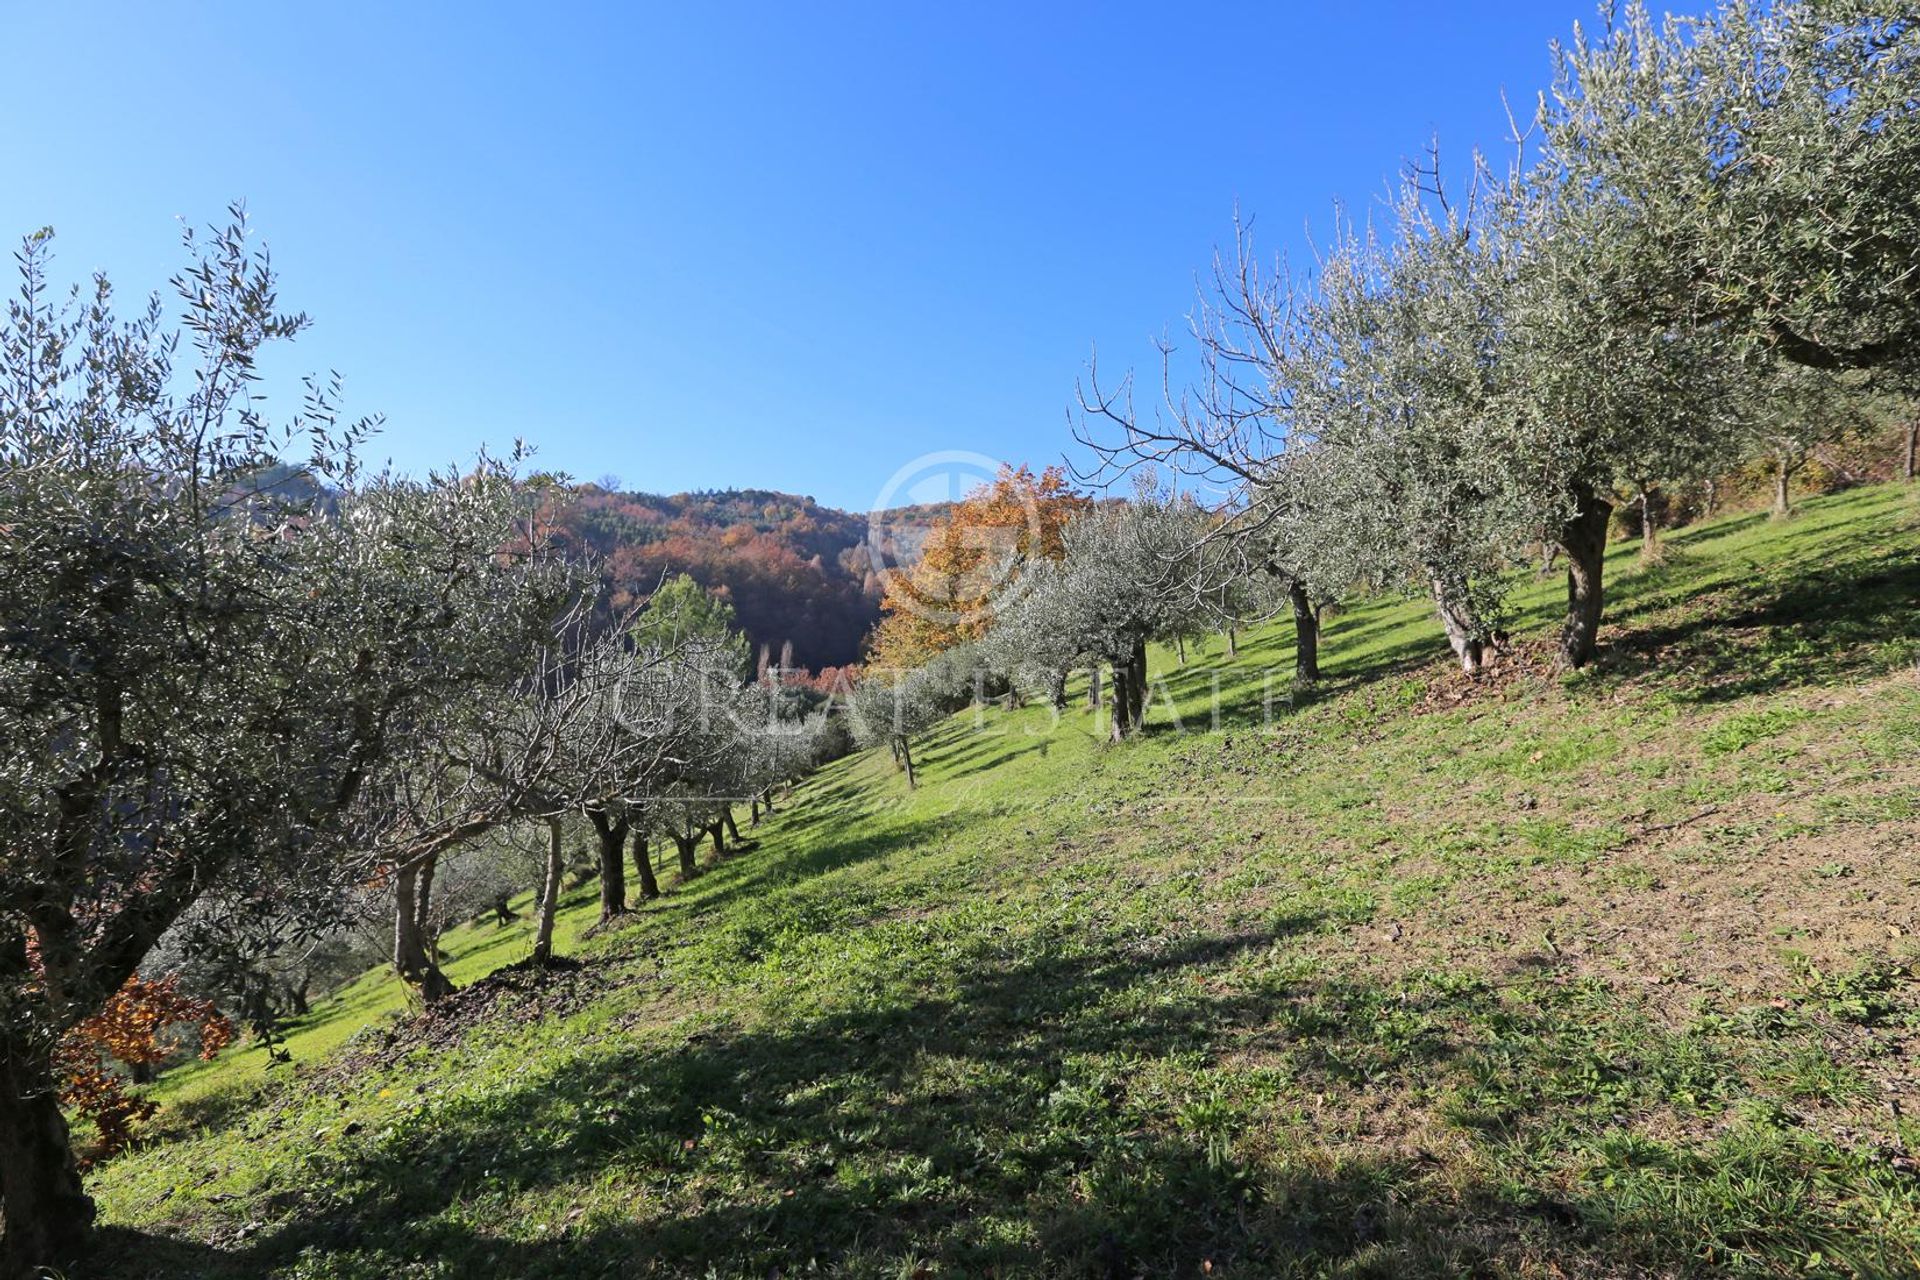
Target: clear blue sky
column 703, row 246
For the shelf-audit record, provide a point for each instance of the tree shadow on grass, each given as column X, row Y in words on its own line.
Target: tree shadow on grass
column 981, row 749
column 1060, row 1103
column 751, row 875
column 1158, row 1209
column 1820, row 626
column 1004, row 1122
column 1264, row 699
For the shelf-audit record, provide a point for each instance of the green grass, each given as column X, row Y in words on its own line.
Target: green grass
column 1541, row 975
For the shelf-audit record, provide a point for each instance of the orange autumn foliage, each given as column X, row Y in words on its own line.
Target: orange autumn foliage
column 947, row 599
column 137, row 1030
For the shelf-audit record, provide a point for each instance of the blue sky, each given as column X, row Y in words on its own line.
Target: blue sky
column 704, row 246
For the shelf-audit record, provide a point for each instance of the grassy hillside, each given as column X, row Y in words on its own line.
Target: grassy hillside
column 1541, row 975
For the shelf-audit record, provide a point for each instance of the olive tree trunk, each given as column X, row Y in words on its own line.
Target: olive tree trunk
column 1913, row 451
column 1584, row 539
column 1121, row 704
column 1137, row 680
column 906, row 762
column 47, row 1212
column 423, row 904
column 685, row 845
column 1306, row 634
column 413, row 956
column 550, row 893
column 612, row 833
column 1129, row 695
column 1464, row 633
column 1783, row 469
column 643, row 864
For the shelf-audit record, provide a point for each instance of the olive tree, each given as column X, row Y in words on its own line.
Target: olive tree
column 785, row 746
column 593, row 728
column 1604, row 390
column 1709, row 192
column 1356, row 416
column 1244, row 580
column 1032, row 642
column 200, row 664
column 1708, row 196
column 616, row 725
column 648, row 723
column 1129, row 574
column 893, row 707
column 682, row 693
column 1230, row 429
column 1762, row 160
column 1396, row 406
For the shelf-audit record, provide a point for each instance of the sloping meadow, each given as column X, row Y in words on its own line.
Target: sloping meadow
column 1399, row 975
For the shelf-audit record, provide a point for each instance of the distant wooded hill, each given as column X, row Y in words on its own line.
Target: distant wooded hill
column 795, row 571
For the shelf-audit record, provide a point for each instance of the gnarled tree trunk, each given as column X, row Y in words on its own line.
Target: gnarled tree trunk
column 1128, row 699
column 685, row 845
column 1584, row 539
column 643, row 864
column 1137, row 689
column 423, row 904
column 1783, row 470
column 1465, row 635
column 1093, row 688
column 1649, row 530
column 550, row 893
column 1306, row 634
column 47, row 1212
column 612, row 832
column 1121, row 705
column 413, row 958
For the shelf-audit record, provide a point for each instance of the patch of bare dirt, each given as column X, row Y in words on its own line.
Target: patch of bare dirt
column 1522, row 666
column 531, row 991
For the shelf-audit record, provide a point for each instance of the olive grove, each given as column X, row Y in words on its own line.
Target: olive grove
column 245, row 683
column 1706, row 221
column 199, row 671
